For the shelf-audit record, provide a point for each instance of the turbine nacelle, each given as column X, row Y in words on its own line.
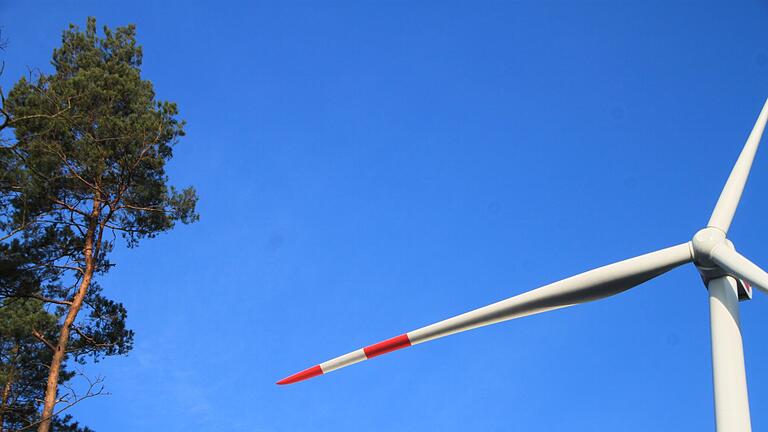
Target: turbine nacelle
column 703, row 247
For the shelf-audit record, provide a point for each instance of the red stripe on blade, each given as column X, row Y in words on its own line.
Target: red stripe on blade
column 388, row 345
column 303, row 375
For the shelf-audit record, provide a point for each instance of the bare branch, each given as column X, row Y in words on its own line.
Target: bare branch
column 42, row 339
column 152, row 209
column 95, row 388
column 90, row 339
column 44, row 299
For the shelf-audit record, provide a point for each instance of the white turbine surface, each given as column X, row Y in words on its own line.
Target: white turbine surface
column 738, row 265
column 729, row 198
column 711, row 252
column 728, row 374
column 592, row 285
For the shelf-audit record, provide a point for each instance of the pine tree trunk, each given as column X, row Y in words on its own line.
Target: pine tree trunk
column 7, row 390
column 51, row 388
column 6, row 393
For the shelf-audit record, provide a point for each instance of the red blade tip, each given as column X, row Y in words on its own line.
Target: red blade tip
column 301, row 376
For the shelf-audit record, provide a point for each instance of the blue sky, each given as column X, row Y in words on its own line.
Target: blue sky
column 366, row 168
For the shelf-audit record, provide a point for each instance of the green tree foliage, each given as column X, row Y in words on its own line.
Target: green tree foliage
column 86, row 162
column 25, row 326
column 24, row 361
column 23, row 358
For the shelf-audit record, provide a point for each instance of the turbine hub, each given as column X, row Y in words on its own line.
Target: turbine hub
column 702, row 244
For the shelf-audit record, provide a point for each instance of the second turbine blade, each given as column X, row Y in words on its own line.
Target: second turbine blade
column 726, row 205
column 738, row 265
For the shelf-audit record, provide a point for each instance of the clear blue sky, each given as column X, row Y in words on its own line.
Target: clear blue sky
column 366, row 168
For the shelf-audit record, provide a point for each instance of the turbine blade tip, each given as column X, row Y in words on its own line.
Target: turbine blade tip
column 301, row 376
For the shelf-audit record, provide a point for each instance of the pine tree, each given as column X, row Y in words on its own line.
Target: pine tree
column 87, row 160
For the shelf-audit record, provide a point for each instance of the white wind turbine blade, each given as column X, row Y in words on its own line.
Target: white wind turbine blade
column 592, row 285
column 729, row 198
column 738, row 265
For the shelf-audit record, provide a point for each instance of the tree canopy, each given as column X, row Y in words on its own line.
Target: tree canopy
column 85, row 165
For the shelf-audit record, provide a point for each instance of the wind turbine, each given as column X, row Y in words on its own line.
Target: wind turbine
column 728, row 276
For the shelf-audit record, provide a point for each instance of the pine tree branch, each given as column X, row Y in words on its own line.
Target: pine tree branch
column 44, row 299
column 42, row 339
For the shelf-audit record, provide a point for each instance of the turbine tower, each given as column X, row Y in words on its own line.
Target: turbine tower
column 728, row 276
